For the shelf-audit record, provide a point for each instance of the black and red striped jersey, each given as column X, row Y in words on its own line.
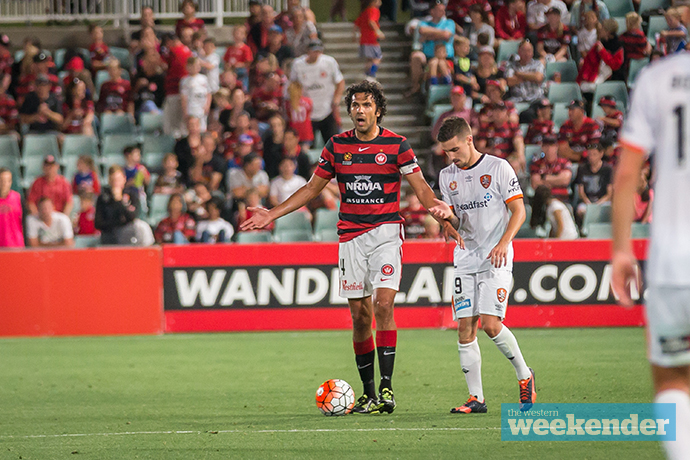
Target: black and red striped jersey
column 368, row 175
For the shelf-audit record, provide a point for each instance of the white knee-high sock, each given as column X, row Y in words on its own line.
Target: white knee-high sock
column 680, row 448
column 471, row 362
column 506, row 342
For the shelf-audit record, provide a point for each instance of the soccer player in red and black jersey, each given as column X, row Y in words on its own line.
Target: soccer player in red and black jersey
column 367, row 162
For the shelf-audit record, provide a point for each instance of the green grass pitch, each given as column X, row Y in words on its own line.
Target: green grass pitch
column 251, row 395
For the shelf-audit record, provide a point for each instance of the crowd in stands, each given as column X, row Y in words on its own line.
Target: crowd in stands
column 205, row 132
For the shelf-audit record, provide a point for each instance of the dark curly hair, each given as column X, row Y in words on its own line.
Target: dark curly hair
column 367, row 87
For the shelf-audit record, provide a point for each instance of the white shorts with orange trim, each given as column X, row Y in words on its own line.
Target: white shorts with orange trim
column 371, row 260
column 483, row 293
column 668, row 325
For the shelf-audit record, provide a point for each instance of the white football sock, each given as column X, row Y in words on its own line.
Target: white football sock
column 506, row 342
column 680, row 448
column 471, row 362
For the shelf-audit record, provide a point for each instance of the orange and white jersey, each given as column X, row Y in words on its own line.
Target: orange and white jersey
column 479, row 195
column 659, row 123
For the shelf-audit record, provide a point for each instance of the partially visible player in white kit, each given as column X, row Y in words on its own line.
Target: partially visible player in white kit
column 659, row 122
column 481, row 190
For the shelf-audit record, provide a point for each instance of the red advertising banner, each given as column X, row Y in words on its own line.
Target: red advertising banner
column 295, row 286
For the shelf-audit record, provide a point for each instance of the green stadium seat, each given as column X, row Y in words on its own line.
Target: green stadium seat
column 33, row 167
column 564, row 92
column 437, row 93
column 656, row 25
column 59, row 58
column 69, row 167
column 527, row 232
column 151, row 123
column 506, row 49
column 635, row 66
column 158, row 144
column 86, row 241
column 619, row 8
column 158, row 208
column 110, row 159
column 325, row 219
column 568, row 70
column 523, row 128
column 122, row 55
column 40, row 145
column 113, row 123
column 639, row 230
column 521, row 106
column 76, row 145
column 326, row 235
column 599, row 230
column 437, row 110
column 622, row 26
column 116, row 143
column 102, row 76
column 289, row 236
column 616, row 89
column 532, row 151
column 9, row 147
column 560, row 114
column 153, row 160
column 596, row 214
column 254, row 237
column 294, row 221
column 647, row 5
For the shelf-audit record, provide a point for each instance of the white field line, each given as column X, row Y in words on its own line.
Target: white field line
column 319, row 430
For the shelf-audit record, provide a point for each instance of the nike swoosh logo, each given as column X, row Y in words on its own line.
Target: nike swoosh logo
column 363, row 367
column 363, row 149
column 385, row 279
column 388, row 353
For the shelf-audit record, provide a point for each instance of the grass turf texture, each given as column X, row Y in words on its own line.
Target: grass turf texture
column 240, row 394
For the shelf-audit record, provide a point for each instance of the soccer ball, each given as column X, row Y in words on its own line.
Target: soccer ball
column 335, row 397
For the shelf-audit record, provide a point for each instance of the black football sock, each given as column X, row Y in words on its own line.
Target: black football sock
column 386, row 342
column 364, row 356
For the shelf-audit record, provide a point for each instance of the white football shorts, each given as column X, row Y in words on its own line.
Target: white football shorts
column 483, row 293
column 371, row 260
column 668, row 326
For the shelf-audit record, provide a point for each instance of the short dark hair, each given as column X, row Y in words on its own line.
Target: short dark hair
column 129, row 149
column 372, row 88
column 216, row 201
column 453, row 126
column 292, row 131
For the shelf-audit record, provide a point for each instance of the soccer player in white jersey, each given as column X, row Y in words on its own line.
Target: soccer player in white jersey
column 659, row 122
column 487, row 209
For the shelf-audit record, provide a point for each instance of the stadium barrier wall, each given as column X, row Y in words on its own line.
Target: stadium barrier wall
column 101, row 291
column 295, row 287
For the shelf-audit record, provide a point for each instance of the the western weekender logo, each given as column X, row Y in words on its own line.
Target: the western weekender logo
column 589, row 422
column 558, row 283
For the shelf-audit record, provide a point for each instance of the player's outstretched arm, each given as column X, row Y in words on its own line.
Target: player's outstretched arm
column 262, row 216
column 623, row 260
column 499, row 253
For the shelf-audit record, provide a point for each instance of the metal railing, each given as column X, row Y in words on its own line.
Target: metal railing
column 120, row 11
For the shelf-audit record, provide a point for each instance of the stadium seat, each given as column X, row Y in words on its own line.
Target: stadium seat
column 527, row 232
column 59, row 58
column 325, row 219
column 568, row 70
column 86, row 241
column 158, row 144
column 619, row 8
column 153, row 160
column 122, row 55
column 295, row 221
column 622, row 26
column 75, row 145
column 506, row 49
column 158, row 208
column 109, row 159
column 639, row 230
column 532, row 152
column 596, row 214
column 599, row 230
column 647, row 5
column 437, row 93
column 116, row 143
column 112, row 123
column 254, row 237
column 76, row 206
column 288, row 236
column 40, row 145
column 564, row 92
column 523, row 128
column 9, row 147
column 314, row 155
column 616, row 89
column 326, row 235
column 560, row 114
column 437, row 110
column 656, row 25
column 151, row 123
column 102, row 76
column 33, row 167
column 521, row 106
column 635, row 66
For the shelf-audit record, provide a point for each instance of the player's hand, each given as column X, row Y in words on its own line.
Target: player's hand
column 441, row 211
column 499, row 254
column 260, row 218
column 450, row 233
column 624, row 273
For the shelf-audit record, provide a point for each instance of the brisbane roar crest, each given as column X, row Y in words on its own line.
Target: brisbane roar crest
column 501, row 294
column 485, row 180
column 453, row 185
